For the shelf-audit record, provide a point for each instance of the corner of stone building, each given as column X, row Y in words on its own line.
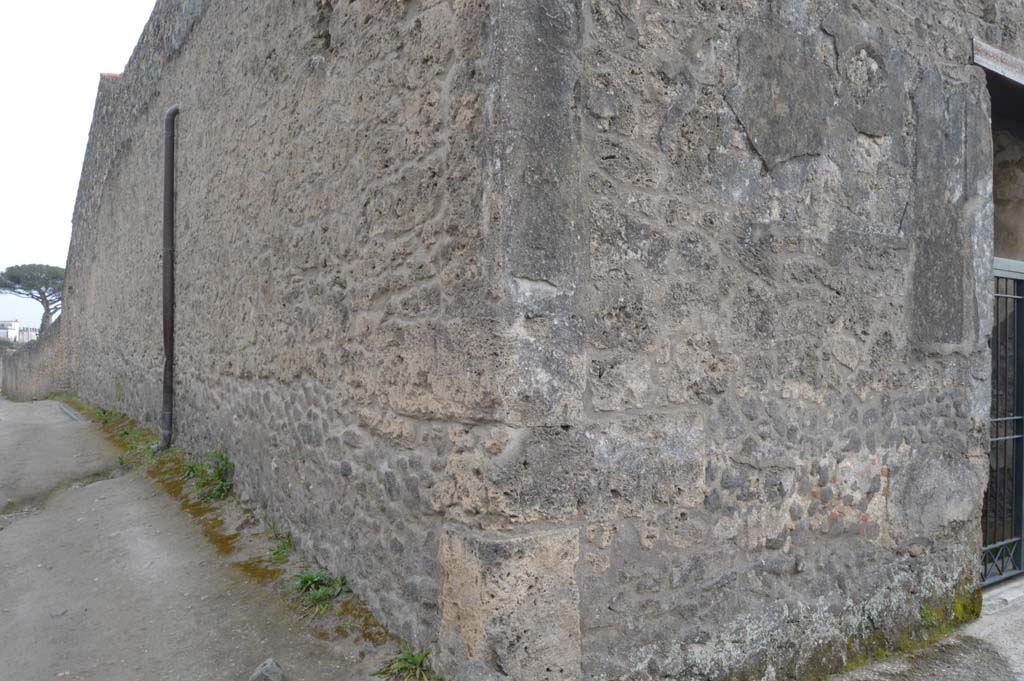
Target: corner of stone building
column 510, row 599
column 534, row 161
column 979, row 218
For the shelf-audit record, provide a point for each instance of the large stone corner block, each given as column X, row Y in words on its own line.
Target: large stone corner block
column 511, row 602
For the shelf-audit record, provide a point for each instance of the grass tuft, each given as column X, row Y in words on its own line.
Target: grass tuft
column 319, row 589
column 214, row 475
column 407, row 666
column 138, row 442
column 190, row 470
column 312, row 579
column 281, row 550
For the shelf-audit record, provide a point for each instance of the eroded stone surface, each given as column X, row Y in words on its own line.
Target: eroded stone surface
column 512, row 601
column 782, row 95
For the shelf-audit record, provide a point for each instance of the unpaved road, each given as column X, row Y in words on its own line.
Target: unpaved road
column 42, row 447
column 112, row 581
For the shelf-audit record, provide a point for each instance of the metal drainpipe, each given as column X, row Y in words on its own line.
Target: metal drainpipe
column 167, row 415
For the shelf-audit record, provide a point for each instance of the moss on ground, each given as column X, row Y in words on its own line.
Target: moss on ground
column 138, row 443
column 938, row 617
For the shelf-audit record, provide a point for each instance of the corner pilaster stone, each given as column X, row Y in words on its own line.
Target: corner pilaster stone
column 511, row 603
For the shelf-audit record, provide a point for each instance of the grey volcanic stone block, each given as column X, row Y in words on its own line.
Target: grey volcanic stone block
column 782, row 94
column 268, row 670
column 474, row 670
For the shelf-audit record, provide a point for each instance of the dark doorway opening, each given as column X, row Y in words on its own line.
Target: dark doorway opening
column 1008, row 165
column 1003, row 511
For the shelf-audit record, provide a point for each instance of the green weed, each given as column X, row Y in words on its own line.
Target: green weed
column 272, row 528
column 311, row 579
column 407, row 666
column 139, row 443
column 319, row 599
column 214, row 475
column 281, row 550
column 930, row 617
column 105, row 416
column 191, row 470
column 319, row 589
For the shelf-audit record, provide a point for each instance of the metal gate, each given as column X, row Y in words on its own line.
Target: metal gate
column 1001, row 555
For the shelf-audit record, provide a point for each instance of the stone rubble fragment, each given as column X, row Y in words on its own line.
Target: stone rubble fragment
column 269, row 670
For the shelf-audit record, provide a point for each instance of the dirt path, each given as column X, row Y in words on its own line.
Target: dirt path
column 43, row 446
column 111, row 580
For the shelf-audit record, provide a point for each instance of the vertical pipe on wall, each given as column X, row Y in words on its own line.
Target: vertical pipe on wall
column 167, row 413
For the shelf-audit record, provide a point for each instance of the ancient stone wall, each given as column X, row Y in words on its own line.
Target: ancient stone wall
column 336, row 306
column 333, row 159
column 37, row 368
column 778, row 326
column 602, row 340
column 788, row 211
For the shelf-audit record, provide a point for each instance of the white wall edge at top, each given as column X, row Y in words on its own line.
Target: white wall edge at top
column 995, row 60
column 1011, row 269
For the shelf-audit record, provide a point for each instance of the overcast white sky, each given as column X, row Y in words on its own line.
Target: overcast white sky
column 51, row 55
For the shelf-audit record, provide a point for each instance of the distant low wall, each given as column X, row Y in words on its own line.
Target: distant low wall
column 37, row 369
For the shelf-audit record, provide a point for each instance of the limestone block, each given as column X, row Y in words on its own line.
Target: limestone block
column 512, row 601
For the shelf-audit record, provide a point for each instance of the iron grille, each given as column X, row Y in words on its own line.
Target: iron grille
column 1001, row 555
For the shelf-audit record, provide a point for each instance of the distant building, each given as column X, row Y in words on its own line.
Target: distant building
column 14, row 331
column 9, row 330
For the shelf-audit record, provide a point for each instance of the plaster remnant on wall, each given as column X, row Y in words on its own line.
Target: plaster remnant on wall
column 873, row 95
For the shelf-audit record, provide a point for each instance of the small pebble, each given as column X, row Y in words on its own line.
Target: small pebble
column 268, row 671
